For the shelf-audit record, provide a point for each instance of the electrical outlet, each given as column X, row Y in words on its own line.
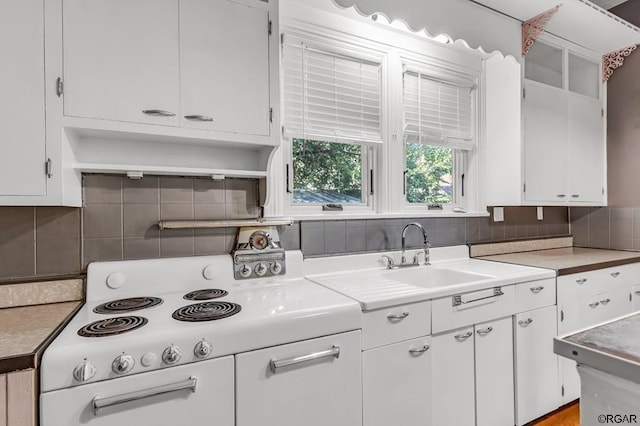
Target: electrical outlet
column 540, row 214
column 498, row 214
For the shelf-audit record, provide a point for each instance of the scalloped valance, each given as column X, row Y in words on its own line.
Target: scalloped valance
column 476, row 26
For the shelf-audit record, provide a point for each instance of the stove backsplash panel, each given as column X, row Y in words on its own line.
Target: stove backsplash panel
column 119, row 221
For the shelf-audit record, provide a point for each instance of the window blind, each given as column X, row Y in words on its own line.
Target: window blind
column 437, row 112
column 330, row 96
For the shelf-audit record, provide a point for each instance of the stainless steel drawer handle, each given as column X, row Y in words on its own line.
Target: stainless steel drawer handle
column 594, row 304
column 561, row 195
column 101, row 403
column 485, row 331
column 419, row 351
column 537, row 290
column 158, row 113
column 581, row 281
column 464, row 336
column 615, row 274
column 398, row 317
column 605, row 301
column 198, row 118
column 275, row 364
column 525, row 323
column 457, row 299
column 575, row 195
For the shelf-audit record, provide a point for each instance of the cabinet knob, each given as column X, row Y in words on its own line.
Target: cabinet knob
column 526, row 322
column 581, row 281
column 158, row 113
column 485, row 331
column 198, row 117
column 561, row 195
column 575, row 195
column 419, row 351
column 615, row 274
column 605, row 301
column 594, row 304
column 462, row 337
column 537, row 290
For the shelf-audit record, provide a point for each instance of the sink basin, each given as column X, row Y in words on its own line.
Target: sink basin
column 429, row 276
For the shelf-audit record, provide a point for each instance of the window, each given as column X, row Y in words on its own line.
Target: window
column 332, row 110
column 438, row 128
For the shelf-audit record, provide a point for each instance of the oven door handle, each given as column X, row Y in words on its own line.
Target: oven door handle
column 100, row 403
column 275, row 364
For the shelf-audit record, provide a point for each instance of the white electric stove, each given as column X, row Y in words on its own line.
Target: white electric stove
column 154, row 343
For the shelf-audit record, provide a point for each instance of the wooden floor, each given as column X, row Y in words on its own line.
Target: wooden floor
column 569, row 415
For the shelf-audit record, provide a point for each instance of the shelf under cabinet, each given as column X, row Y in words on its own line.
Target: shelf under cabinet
column 164, row 170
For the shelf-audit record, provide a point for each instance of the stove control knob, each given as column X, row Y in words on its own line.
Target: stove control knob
column 275, row 268
column 203, row 349
column 84, row 371
column 260, row 269
column 245, row 271
column 122, row 364
column 172, row 354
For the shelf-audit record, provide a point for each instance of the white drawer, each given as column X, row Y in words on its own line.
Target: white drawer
column 535, row 294
column 395, row 324
column 583, row 284
column 470, row 308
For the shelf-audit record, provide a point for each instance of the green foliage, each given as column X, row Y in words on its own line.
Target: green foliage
column 327, row 166
column 429, row 174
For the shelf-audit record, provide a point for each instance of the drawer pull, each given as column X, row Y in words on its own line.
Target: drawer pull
column 397, row 317
column 615, row 274
column 525, row 323
column 637, row 292
column 537, row 290
column 158, row 113
column 561, row 195
column 485, row 331
column 275, row 364
column 594, row 304
column 462, row 337
column 419, row 351
column 457, row 299
column 605, row 301
column 581, row 281
column 198, row 118
column 575, row 195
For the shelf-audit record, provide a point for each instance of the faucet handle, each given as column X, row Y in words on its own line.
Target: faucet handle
column 390, row 262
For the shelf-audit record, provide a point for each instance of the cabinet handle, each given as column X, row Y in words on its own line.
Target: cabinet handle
column 419, row 351
column 605, row 301
column 615, row 274
column 334, row 352
column 581, row 281
column 575, row 195
column 462, row 337
column 537, row 290
column 561, row 195
column 637, row 292
column 594, row 304
column 158, row 113
column 525, row 323
column 485, row 331
column 457, row 299
column 100, row 403
column 398, row 317
column 198, row 118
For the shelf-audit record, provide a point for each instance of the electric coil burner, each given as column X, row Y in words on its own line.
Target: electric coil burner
column 112, row 326
column 127, row 305
column 205, row 294
column 206, row 311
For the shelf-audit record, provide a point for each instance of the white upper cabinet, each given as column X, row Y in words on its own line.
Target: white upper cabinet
column 224, row 66
column 121, row 60
column 22, row 106
column 563, row 126
column 198, row 65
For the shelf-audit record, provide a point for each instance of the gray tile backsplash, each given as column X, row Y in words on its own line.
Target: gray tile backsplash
column 606, row 227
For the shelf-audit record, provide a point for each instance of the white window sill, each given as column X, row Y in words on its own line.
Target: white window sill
column 352, row 216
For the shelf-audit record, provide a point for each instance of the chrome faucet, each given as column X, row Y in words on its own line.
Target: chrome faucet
column 425, row 245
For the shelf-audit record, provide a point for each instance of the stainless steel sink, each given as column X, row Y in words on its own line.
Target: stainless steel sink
column 429, row 276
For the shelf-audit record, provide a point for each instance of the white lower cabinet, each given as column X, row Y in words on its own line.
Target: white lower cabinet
column 473, row 375
column 536, row 366
column 635, row 298
column 396, row 384
column 315, row 382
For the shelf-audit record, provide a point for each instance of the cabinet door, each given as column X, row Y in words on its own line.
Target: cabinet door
column 545, row 140
column 324, row 391
column 121, row 58
column 586, row 138
column 22, row 109
column 453, row 378
column 494, row 373
column 537, row 381
column 396, row 384
column 224, row 57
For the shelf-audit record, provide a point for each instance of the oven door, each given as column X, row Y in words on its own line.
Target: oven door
column 201, row 393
